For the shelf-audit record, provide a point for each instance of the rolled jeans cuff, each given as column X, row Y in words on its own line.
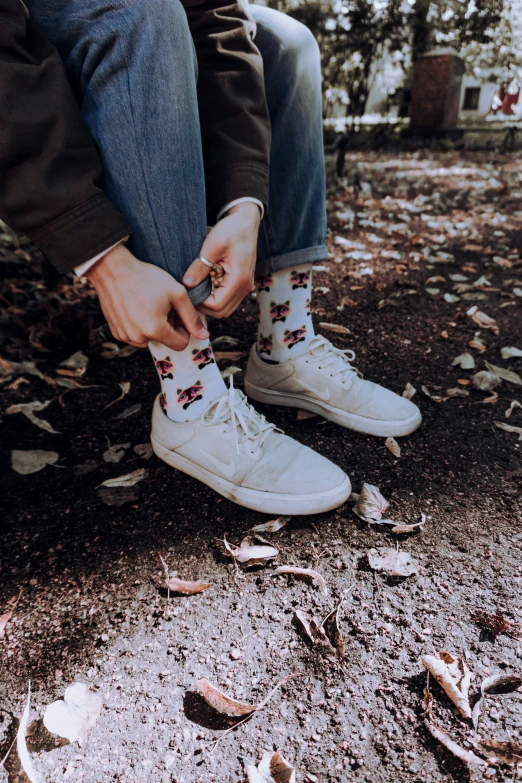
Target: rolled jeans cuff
column 295, row 257
column 200, row 291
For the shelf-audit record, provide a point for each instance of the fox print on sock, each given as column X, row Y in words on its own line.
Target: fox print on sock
column 284, row 323
column 190, row 379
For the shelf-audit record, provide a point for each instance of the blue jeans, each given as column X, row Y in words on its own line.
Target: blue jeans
column 133, row 68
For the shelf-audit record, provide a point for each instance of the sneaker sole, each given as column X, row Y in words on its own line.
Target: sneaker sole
column 267, row 502
column 351, row 421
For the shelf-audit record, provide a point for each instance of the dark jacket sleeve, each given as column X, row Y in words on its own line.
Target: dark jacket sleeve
column 235, row 125
column 50, row 172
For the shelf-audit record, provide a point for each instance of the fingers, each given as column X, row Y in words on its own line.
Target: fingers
column 188, row 315
column 176, row 339
column 196, row 273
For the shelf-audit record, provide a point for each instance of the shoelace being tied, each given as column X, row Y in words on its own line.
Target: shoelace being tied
column 335, row 359
column 233, row 408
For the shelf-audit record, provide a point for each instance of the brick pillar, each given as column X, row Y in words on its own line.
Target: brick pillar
column 435, row 94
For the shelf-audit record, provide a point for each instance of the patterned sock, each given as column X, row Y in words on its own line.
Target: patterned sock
column 189, row 379
column 284, row 322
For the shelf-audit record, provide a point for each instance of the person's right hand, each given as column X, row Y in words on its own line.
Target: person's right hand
column 137, row 300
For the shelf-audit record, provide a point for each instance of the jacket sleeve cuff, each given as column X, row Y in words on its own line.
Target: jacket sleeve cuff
column 241, row 179
column 82, row 233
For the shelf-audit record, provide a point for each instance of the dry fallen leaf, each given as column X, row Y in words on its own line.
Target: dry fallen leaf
column 465, row 361
column 482, row 320
column 21, row 745
column 392, row 445
column 497, row 624
column 509, row 428
column 402, row 528
column 273, row 768
column 334, row 328
column 312, row 630
column 485, row 381
column 78, row 361
column 498, row 752
column 331, row 628
column 128, row 411
column 370, row 504
column 271, row 527
column 304, row 573
column 509, row 353
column 143, row 450
column 225, row 705
column 453, row 676
column 496, row 683
column 346, row 301
column 409, row 391
column 115, row 453
column 478, row 344
column 513, row 404
column 180, row 585
column 127, row 480
column 506, row 375
column 467, row 756
column 25, row 462
column 125, row 388
column 249, row 554
column 28, row 409
column 433, row 397
column 75, row 715
column 4, row 619
column 392, row 561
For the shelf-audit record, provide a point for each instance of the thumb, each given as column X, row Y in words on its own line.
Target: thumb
column 189, row 316
column 212, row 251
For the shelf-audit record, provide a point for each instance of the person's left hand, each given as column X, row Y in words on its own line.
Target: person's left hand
column 232, row 243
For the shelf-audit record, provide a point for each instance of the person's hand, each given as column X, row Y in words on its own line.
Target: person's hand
column 232, row 243
column 142, row 302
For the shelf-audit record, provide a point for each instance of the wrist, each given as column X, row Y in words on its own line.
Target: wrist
column 248, row 210
column 107, row 265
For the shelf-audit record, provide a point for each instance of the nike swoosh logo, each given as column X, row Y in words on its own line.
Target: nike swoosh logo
column 323, row 394
column 228, row 468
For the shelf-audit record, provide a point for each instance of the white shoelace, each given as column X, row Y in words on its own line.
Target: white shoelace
column 335, row 359
column 234, row 410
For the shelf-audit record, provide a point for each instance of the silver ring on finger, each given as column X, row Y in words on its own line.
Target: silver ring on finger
column 206, row 262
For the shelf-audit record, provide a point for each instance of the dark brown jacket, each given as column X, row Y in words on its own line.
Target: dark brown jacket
column 50, row 172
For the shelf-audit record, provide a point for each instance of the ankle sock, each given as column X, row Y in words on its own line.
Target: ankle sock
column 190, row 379
column 284, row 321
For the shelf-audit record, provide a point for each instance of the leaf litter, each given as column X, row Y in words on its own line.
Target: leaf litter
column 177, row 585
column 273, row 768
column 509, row 428
column 75, row 715
column 370, row 505
column 31, row 461
column 272, row 526
column 392, row 561
column 506, row 375
column 127, row 480
column 392, row 445
column 454, row 677
column 469, row 758
column 21, row 745
column 513, row 404
column 495, row 684
column 250, row 554
column 306, row 574
column 28, row 409
column 125, row 388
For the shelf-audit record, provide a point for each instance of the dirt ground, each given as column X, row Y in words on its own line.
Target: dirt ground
column 93, row 607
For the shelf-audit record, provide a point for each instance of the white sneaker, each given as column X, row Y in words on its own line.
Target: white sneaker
column 323, row 381
column 234, row 450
